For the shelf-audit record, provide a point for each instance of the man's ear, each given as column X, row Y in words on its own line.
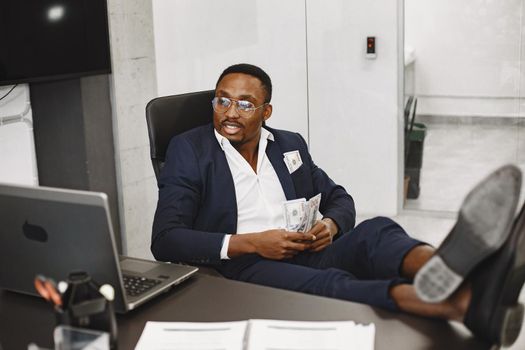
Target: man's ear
column 267, row 112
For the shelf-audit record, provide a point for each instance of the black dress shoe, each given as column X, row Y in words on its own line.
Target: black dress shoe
column 483, row 225
column 494, row 313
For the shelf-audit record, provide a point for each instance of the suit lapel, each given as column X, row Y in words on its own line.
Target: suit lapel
column 273, row 151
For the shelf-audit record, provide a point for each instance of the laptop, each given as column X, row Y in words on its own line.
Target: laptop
column 53, row 232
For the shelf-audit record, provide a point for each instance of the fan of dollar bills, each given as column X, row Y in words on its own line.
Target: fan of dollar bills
column 300, row 214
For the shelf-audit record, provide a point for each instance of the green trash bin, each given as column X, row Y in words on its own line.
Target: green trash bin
column 415, row 141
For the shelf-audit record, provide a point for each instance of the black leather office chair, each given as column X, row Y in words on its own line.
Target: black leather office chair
column 171, row 115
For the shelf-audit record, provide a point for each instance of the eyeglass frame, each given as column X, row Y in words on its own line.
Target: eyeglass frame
column 241, row 112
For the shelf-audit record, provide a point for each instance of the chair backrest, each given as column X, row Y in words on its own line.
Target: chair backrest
column 171, row 115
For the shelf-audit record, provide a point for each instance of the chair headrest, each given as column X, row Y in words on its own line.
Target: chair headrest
column 172, row 115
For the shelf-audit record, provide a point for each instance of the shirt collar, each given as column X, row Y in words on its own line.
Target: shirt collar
column 265, row 135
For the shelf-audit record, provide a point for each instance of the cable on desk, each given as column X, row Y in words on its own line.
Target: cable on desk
column 1, row 98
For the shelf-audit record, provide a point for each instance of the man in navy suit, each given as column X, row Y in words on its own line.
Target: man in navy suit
column 221, row 197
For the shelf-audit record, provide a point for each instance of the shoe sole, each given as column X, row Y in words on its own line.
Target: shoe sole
column 506, row 322
column 511, row 325
column 483, row 225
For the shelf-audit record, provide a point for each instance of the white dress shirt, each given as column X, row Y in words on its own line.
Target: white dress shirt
column 259, row 195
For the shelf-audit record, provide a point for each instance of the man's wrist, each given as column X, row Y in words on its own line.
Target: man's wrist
column 332, row 226
column 242, row 244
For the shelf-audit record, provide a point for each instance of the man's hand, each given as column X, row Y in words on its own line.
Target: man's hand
column 324, row 231
column 281, row 244
column 272, row 244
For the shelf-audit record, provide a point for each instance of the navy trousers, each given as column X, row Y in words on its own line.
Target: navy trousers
column 360, row 266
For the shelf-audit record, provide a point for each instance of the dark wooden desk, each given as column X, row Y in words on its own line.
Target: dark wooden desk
column 25, row 319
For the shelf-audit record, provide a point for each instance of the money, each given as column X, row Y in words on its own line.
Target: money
column 311, row 211
column 300, row 215
column 292, row 160
column 294, row 214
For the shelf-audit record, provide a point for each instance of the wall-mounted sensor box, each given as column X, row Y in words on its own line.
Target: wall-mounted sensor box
column 371, row 47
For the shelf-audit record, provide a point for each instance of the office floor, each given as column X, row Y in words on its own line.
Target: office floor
column 459, row 152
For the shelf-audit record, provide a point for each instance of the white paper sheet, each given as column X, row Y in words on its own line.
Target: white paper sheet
column 257, row 335
column 303, row 335
column 192, row 336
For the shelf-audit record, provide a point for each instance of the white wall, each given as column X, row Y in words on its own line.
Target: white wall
column 467, row 56
column 17, row 148
column 196, row 40
column 354, row 101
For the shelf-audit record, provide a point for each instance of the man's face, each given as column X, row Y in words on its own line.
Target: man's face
column 239, row 130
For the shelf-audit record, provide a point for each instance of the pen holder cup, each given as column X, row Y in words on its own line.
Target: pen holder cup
column 69, row 338
column 85, row 307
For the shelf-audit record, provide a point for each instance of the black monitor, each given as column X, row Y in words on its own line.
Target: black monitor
column 46, row 40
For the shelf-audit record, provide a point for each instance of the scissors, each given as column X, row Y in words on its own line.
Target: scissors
column 46, row 287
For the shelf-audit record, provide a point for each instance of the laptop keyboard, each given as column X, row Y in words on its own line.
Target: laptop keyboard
column 136, row 285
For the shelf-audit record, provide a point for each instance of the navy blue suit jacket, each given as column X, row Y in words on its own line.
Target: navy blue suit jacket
column 197, row 204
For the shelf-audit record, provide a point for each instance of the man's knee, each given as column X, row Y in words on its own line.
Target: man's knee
column 380, row 221
column 379, row 225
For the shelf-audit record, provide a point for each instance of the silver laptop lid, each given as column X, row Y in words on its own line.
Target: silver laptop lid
column 53, row 232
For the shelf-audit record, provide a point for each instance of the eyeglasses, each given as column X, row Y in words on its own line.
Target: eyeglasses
column 244, row 108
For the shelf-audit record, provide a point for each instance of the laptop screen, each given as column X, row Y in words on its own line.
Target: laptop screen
column 54, row 232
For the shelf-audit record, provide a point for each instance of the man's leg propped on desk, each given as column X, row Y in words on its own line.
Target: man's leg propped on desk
column 476, row 275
